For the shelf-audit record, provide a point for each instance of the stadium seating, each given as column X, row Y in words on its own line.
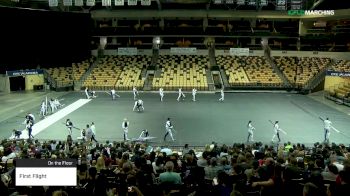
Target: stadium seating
column 80, row 68
column 131, row 73
column 308, row 67
column 248, row 71
column 65, row 76
column 185, row 71
column 288, row 65
column 104, row 75
column 300, row 71
column 120, row 72
column 62, row 75
column 342, row 65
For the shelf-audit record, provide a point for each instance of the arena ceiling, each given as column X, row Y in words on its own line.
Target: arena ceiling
column 177, row 4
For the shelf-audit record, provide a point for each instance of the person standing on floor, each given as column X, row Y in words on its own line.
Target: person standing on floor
column 43, row 109
column 29, row 127
column 90, row 133
column 69, row 126
column 93, row 129
column 161, row 93
column 87, row 93
column 194, row 92
column 114, row 94
column 181, row 95
column 222, row 98
column 250, row 132
column 125, row 127
column 135, row 92
column 276, row 129
column 169, row 130
column 327, row 129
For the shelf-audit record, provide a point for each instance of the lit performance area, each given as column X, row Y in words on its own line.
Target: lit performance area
column 200, row 122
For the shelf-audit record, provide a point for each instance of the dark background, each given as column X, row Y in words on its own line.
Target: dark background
column 29, row 38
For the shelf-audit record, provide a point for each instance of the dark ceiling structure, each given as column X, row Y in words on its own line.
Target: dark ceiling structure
column 257, row 5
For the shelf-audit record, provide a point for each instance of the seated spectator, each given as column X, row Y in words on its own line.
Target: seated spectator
column 211, row 171
column 330, row 173
column 311, row 189
column 169, row 176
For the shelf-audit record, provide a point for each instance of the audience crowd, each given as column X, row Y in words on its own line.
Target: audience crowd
column 122, row 168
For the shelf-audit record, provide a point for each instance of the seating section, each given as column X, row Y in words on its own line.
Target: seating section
column 120, row 72
column 308, row 68
column 62, row 75
column 104, row 75
column 65, row 76
column 248, row 71
column 300, row 71
column 288, row 65
column 185, row 71
column 131, row 74
column 341, row 91
column 342, row 65
column 80, row 68
column 236, row 74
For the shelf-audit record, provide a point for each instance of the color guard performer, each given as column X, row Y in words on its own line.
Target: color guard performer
column 161, row 93
column 250, row 132
column 125, row 126
column 169, row 130
column 194, row 92
column 181, row 95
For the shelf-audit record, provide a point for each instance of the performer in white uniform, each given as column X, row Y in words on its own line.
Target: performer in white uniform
column 87, row 93
column 114, row 94
column 327, row 129
column 161, row 93
column 144, row 134
column 43, row 109
column 57, row 104
column 134, row 90
column 138, row 105
column 168, row 127
column 276, row 129
column 250, row 132
column 125, row 126
column 181, row 94
column 222, row 98
column 69, row 126
column 93, row 130
column 194, row 92
column 52, row 105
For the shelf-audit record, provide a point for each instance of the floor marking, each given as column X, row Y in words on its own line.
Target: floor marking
column 49, row 120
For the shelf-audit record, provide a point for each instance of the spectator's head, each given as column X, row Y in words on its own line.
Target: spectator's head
column 60, row 193
column 332, row 168
column 169, row 166
column 213, row 161
column 311, row 189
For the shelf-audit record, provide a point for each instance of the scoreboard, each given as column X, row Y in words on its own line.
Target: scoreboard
column 277, row 4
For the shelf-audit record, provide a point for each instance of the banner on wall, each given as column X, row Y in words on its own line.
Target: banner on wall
column 338, row 73
column 53, row 3
column 132, row 2
column 24, row 72
column 90, row 2
column 239, row 51
column 119, row 2
column 78, row 2
column 106, row 2
column 127, row 51
column 67, row 2
column 183, row 50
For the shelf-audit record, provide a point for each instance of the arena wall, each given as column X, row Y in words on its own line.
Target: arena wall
column 4, row 84
column 32, row 80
